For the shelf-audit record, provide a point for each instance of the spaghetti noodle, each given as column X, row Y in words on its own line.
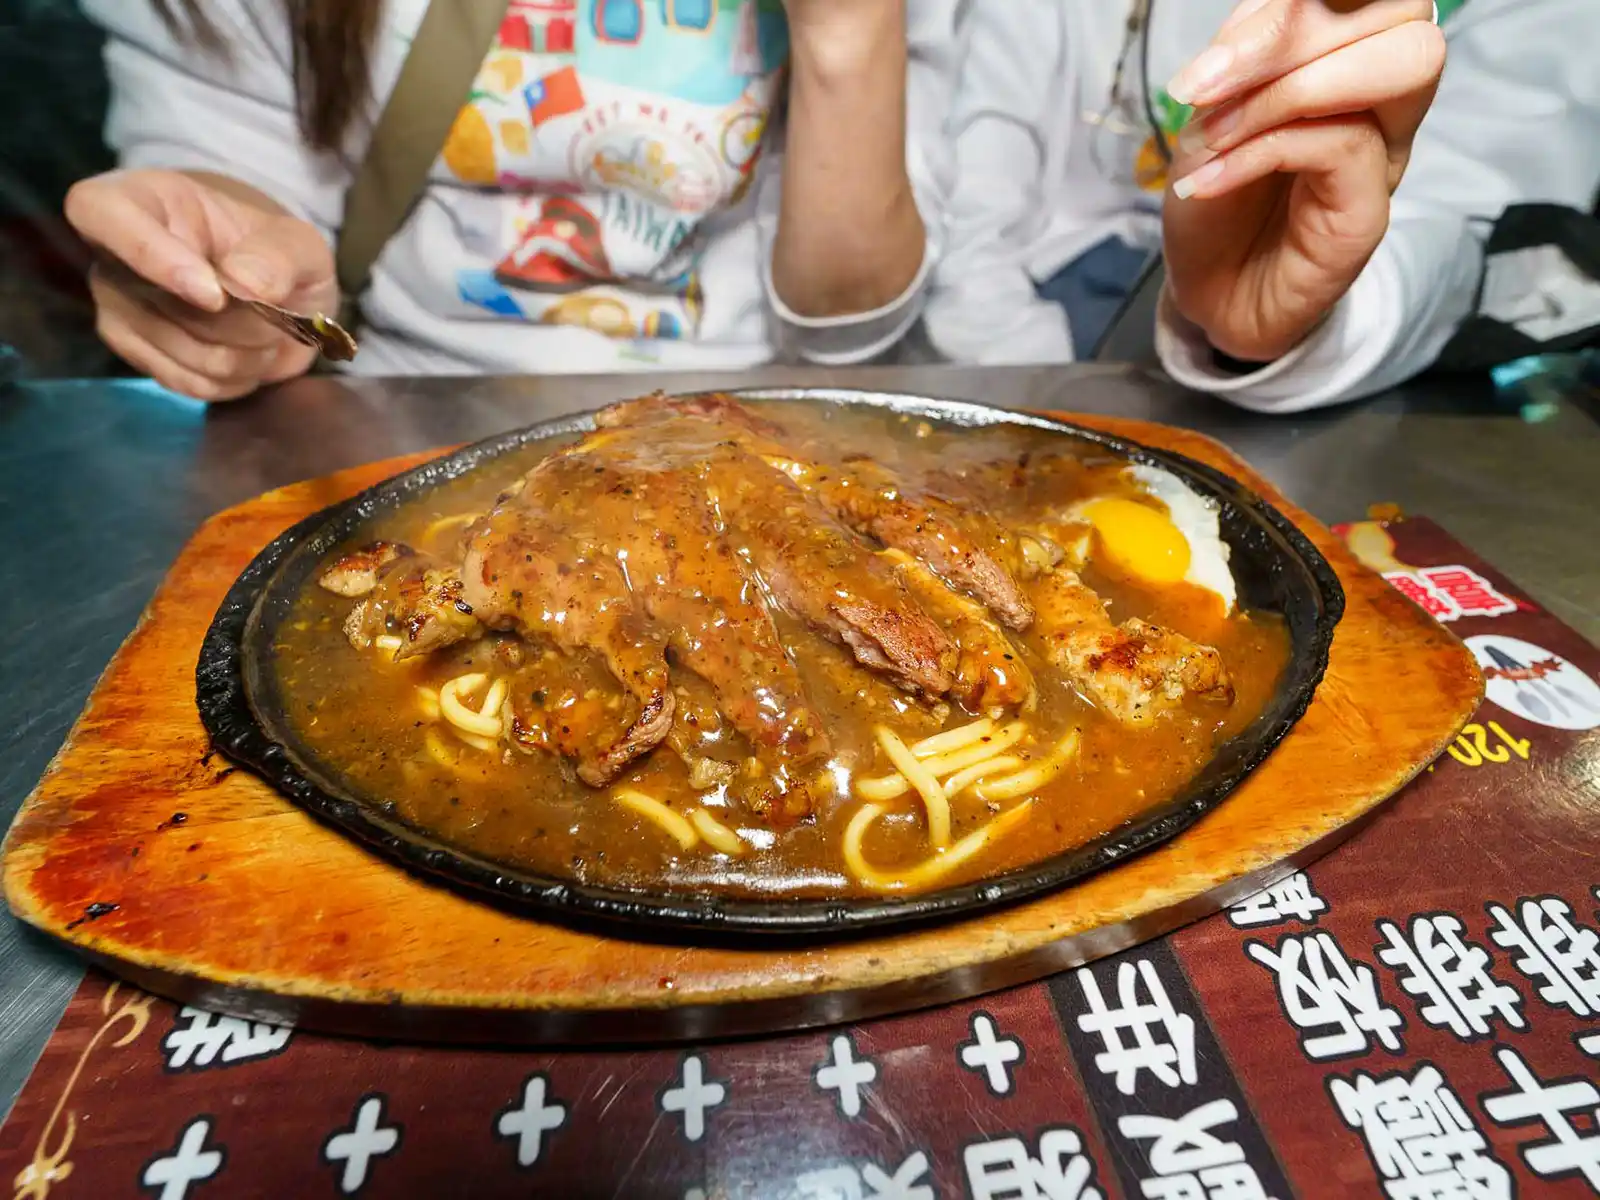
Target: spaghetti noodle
column 931, row 869
column 1034, row 777
column 486, row 723
column 932, row 793
column 973, row 750
column 717, row 835
column 674, row 824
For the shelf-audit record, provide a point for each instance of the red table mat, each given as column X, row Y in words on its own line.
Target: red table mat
column 1415, row 1016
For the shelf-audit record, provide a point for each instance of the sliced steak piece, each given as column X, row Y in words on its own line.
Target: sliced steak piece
column 964, row 549
column 990, row 672
column 967, row 549
column 522, row 572
column 647, row 504
column 824, row 575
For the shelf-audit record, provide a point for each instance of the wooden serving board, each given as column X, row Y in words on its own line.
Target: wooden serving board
column 247, row 905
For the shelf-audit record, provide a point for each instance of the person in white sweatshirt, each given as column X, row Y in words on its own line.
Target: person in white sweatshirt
column 611, row 197
column 1322, row 239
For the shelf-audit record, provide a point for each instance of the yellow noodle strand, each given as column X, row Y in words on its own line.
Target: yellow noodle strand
column 933, row 797
column 438, row 751
column 952, row 739
column 717, row 835
column 428, row 700
column 437, row 527
column 675, row 825
column 887, row 787
column 387, row 643
column 457, row 712
column 476, row 742
column 1005, row 738
column 962, row 780
column 883, row 787
column 1034, row 777
column 931, row 869
column 494, row 702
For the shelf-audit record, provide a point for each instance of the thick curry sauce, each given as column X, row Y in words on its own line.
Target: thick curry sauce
column 520, row 802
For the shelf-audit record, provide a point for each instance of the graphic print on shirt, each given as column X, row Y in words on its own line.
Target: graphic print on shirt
column 611, row 129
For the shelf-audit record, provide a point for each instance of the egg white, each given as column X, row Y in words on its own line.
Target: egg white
column 1195, row 518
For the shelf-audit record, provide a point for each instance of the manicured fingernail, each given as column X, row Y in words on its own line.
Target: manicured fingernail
column 1211, row 130
column 1199, row 178
column 1202, row 76
column 200, row 287
column 1192, row 137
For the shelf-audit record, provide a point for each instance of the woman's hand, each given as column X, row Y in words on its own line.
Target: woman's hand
column 169, row 242
column 1306, row 110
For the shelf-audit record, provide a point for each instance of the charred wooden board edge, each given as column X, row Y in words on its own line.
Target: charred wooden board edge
column 241, row 711
column 485, row 1022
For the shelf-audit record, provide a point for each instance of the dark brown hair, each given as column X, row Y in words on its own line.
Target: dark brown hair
column 332, row 56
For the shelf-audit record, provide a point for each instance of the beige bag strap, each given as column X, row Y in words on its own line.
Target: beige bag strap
column 445, row 55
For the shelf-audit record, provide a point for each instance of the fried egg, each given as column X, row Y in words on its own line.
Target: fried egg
column 1182, row 544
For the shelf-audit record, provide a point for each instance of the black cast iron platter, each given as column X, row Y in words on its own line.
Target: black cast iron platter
column 1276, row 568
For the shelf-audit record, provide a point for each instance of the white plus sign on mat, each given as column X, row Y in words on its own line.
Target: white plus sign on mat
column 693, row 1097
column 530, row 1120
column 190, row 1163
column 990, row 1054
column 357, row 1147
column 843, row 1074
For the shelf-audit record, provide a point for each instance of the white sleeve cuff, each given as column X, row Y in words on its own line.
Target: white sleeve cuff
column 852, row 337
column 1335, row 363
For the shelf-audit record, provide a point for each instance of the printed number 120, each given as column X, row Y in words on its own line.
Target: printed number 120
column 1472, row 748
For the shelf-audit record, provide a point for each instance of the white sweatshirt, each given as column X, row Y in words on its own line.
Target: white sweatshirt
column 605, row 202
column 1041, row 176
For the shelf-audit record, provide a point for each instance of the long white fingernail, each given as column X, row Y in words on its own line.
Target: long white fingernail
column 1192, row 138
column 1203, row 76
column 1198, row 178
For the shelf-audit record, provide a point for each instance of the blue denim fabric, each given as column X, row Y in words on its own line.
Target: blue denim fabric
column 1092, row 287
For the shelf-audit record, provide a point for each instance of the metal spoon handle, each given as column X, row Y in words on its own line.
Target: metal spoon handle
column 321, row 333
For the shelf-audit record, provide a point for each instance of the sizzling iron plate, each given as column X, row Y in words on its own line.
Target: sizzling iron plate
column 1276, row 567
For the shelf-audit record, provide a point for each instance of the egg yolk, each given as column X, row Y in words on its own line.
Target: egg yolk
column 1140, row 540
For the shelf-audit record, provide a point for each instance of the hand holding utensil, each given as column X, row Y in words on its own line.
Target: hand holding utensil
column 189, row 265
column 322, row 333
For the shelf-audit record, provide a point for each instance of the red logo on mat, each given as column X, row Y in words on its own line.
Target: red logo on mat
column 1448, row 593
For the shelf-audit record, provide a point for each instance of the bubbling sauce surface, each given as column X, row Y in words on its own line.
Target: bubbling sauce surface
column 1065, row 769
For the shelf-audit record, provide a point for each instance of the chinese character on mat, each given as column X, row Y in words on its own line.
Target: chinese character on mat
column 1420, row 1136
column 1289, row 899
column 1161, row 1038
column 1333, row 1002
column 1449, row 975
column 1003, row 1169
column 1470, row 593
column 1559, row 956
column 869, row 1182
column 1190, row 1162
column 200, row 1039
column 1567, row 1150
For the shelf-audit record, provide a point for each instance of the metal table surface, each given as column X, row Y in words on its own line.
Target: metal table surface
column 101, row 482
